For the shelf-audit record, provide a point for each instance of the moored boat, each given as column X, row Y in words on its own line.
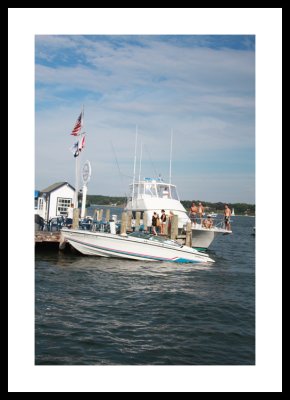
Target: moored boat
column 135, row 246
column 149, row 195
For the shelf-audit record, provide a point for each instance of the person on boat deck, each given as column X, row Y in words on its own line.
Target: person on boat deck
column 207, row 223
column 227, row 214
column 163, row 221
column 165, row 193
column 200, row 211
column 154, row 223
column 193, row 213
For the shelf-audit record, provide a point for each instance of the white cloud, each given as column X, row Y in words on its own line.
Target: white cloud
column 205, row 95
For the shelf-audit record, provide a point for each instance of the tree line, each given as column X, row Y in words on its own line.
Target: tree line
column 240, row 208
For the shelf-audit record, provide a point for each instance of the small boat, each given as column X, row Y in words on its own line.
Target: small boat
column 135, row 246
column 212, row 215
column 233, row 212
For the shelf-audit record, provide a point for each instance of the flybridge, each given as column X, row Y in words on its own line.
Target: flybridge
column 153, row 180
column 150, row 187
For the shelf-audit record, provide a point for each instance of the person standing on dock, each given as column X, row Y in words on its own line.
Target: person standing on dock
column 227, row 214
column 154, row 223
column 163, row 221
column 70, row 211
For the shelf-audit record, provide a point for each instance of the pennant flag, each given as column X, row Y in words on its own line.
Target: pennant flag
column 82, row 143
column 78, row 125
column 75, row 149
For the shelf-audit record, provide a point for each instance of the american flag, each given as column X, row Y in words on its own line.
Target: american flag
column 78, row 125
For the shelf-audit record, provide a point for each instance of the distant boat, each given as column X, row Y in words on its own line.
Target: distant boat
column 212, row 215
column 233, row 212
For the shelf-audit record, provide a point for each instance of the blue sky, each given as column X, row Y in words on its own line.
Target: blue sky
column 201, row 87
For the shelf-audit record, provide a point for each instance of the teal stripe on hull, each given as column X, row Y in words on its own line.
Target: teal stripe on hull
column 200, row 248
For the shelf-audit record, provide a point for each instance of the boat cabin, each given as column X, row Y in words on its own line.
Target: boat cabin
column 152, row 188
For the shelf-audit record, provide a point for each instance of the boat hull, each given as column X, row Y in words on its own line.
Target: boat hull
column 203, row 237
column 117, row 246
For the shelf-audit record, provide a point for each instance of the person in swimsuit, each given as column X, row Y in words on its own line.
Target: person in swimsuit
column 207, row 223
column 193, row 213
column 200, row 211
column 227, row 215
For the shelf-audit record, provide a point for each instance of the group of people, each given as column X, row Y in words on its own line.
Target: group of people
column 197, row 211
column 159, row 222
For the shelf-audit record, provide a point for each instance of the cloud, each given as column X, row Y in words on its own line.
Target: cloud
column 205, row 92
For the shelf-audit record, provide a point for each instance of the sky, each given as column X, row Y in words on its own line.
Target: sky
column 200, row 88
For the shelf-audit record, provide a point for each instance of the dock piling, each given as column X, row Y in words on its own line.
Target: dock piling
column 174, row 227
column 123, row 223
column 108, row 215
column 137, row 221
column 188, row 240
column 75, row 224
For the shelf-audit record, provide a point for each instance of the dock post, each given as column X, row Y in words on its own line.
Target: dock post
column 62, row 242
column 123, row 223
column 129, row 220
column 166, row 228
column 100, row 214
column 145, row 221
column 75, row 224
column 174, row 227
column 108, row 215
column 188, row 240
column 166, row 225
column 137, row 221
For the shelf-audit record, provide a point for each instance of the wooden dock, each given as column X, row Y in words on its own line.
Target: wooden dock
column 47, row 237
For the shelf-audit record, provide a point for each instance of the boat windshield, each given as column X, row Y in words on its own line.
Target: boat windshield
column 163, row 240
column 141, row 235
column 151, row 188
column 159, row 239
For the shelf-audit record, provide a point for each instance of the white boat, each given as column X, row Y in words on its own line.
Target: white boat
column 151, row 195
column 135, row 246
column 212, row 215
column 233, row 212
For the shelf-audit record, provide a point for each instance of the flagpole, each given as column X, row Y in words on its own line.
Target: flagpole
column 77, row 165
column 170, row 157
column 134, row 169
column 76, row 182
column 78, row 158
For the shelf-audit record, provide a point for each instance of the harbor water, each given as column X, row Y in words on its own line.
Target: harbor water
column 98, row 311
